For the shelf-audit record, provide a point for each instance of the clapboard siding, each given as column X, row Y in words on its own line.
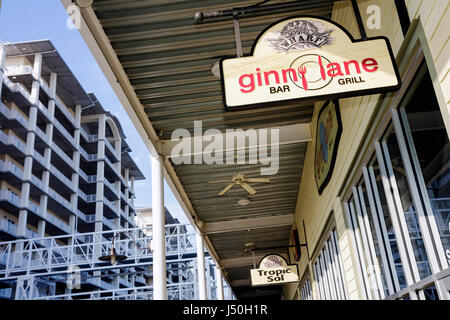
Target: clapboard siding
column 356, row 115
column 435, row 18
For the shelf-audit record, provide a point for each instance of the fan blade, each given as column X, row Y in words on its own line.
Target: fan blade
column 266, row 180
column 221, row 193
column 220, row 181
column 248, row 188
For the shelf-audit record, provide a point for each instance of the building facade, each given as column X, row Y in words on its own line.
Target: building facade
column 379, row 227
column 65, row 165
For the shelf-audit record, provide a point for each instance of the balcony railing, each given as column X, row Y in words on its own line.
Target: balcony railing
column 63, row 130
column 61, row 177
column 8, row 226
column 63, row 155
column 64, row 111
column 9, row 139
column 10, row 196
column 59, row 199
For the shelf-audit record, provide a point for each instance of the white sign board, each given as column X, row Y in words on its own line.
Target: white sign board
column 306, row 58
column 273, row 269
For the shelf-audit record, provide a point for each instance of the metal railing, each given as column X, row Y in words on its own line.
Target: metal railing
column 66, row 250
column 440, row 281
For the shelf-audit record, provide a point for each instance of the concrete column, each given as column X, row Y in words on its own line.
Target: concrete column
column 99, row 186
column 132, row 190
column 28, row 163
column 76, row 162
column 47, row 152
column 100, row 174
column 219, row 282
column 201, row 267
column 117, row 204
column 2, row 65
column 41, row 228
column 118, row 148
column 159, row 242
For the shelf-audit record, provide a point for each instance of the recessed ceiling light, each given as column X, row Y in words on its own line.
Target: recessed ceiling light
column 243, row 202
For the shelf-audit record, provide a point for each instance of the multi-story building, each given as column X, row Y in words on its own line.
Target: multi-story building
column 65, row 167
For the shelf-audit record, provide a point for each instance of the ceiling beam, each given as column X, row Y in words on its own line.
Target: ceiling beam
column 245, row 224
column 289, row 134
column 241, row 283
column 240, row 262
column 246, row 261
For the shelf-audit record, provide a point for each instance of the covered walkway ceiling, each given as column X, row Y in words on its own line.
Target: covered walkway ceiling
column 162, row 61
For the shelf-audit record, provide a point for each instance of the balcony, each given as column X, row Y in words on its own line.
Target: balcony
column 20, row 73
column 42, row 135
column 62, row 178
column 12, row 201
column 62, row 155
column 90, row 218
column 61, row 225
column 8, row 228
column 60, row 201
column 13, row 115
column 88, row 198
column 64, row 132
column 7, row 166
column 12, row 140
column 61, row 107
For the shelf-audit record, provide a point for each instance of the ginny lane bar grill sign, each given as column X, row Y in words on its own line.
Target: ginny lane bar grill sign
column 307, row 58
column 273, row 269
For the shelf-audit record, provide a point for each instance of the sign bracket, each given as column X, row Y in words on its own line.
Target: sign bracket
column 359, row 20
column 237, row 33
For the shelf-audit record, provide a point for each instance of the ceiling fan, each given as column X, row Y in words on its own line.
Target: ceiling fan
column 240, row 180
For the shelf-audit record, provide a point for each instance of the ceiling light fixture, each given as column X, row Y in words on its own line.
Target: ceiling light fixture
column 113, row 257
column 243, row 202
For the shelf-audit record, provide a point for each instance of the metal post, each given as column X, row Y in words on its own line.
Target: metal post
column 159, row 243
column 201, row 267
column 219, row 282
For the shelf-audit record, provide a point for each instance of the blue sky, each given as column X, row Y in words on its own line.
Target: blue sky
column 25, row 20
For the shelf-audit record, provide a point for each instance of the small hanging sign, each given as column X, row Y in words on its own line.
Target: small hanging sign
column 307, row 58
column 328, row 135
column 273, row 269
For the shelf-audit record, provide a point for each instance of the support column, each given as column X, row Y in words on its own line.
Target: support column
column 76, row 161
column 99, row 187
column 117, row 183
column 28, row 163
column 159, row 242
column 201, row 267
column 219, row 283
column 47, row 153
column 2, row 65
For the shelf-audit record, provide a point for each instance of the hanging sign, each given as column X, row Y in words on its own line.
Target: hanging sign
column 273, row 269
column 307, row 58
column 328, row 135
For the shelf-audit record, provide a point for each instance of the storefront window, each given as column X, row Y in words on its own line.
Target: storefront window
column 375, row 176
column 396, row 167
column 430, row 152
column 328, row 271
column 369, row 210
column 305, row 290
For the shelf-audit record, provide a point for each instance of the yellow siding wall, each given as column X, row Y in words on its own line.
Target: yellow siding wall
column 357, row 114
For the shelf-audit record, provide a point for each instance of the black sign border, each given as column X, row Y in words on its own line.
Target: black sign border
column 335, row 96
